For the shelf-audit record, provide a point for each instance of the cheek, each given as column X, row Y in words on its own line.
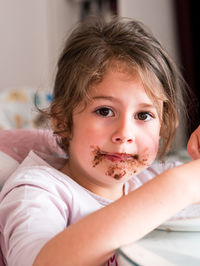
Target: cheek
column 149, row 145
column 88, row 135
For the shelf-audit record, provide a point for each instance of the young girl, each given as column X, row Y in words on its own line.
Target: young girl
column 114, row 113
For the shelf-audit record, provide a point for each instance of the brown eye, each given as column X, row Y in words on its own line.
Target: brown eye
column 144, row 116
column 104, row 111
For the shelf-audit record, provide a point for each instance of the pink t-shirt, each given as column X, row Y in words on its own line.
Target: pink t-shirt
column 38, row 201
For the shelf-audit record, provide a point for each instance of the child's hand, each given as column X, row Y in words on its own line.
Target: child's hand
column 193, row 146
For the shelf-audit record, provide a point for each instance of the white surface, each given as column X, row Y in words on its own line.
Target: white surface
column 176, row 242
column 164, row 248
column 187, row 220
column 141, row 255
column 190, row 224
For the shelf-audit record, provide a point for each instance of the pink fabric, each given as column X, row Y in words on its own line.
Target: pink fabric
column 1, row 260
column 18, row 142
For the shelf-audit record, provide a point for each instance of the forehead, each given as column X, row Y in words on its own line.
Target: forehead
column 114, row 81
column 130, row 69
column 128, row 72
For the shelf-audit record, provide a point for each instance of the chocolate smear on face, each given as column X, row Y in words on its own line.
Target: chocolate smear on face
column 119, row 175
column 98, row 156
column 119, row 169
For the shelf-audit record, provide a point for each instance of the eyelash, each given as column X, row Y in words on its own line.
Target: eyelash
column 150, row 115
column 98, row 110
column 108, row 109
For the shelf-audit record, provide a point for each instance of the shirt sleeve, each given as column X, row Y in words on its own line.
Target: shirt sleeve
column 29, row 217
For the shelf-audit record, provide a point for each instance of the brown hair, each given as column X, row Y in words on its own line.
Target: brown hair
column 91, row 48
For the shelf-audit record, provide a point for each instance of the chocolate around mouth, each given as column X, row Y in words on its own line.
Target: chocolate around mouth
column 122, row 157
column 126, row 163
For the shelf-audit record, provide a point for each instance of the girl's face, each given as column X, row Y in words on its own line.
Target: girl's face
column 115, row 137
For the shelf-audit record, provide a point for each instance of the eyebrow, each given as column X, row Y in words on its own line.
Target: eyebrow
column 110, row 98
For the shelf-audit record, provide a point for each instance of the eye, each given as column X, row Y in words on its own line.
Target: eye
column 144, row 116
column 104, row 111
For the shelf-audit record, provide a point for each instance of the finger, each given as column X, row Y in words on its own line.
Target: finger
column 193, row 146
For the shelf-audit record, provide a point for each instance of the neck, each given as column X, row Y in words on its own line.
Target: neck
column 109, row 192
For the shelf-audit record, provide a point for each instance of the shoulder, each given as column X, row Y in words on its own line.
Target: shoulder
column 155, row 169
column 38, row 175
column 36, row 178
column 158, row 167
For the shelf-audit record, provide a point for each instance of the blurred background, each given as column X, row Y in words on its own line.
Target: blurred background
column 33, row 32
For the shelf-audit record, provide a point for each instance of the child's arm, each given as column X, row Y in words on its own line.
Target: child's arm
column 92, row 240
column 193, row 146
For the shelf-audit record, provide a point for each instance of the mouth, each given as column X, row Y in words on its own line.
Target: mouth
column 121, row 163
column 119, row 157
column 116, row 157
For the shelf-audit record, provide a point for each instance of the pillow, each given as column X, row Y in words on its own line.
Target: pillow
column 16, row 144
column 7, row 166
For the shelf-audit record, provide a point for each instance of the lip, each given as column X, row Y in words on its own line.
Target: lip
column 117, row 157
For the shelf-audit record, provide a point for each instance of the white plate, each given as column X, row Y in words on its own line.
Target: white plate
column 187, row 220
column 190, row 224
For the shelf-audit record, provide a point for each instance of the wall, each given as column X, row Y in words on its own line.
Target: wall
column 61, row 16
column 31, row 34
column 159, row 16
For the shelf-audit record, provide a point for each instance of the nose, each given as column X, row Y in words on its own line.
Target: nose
column 123, row 132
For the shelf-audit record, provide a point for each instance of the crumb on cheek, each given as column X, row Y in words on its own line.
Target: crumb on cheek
column 119, row 176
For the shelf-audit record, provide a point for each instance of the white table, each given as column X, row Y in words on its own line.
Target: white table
column 162, row 248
